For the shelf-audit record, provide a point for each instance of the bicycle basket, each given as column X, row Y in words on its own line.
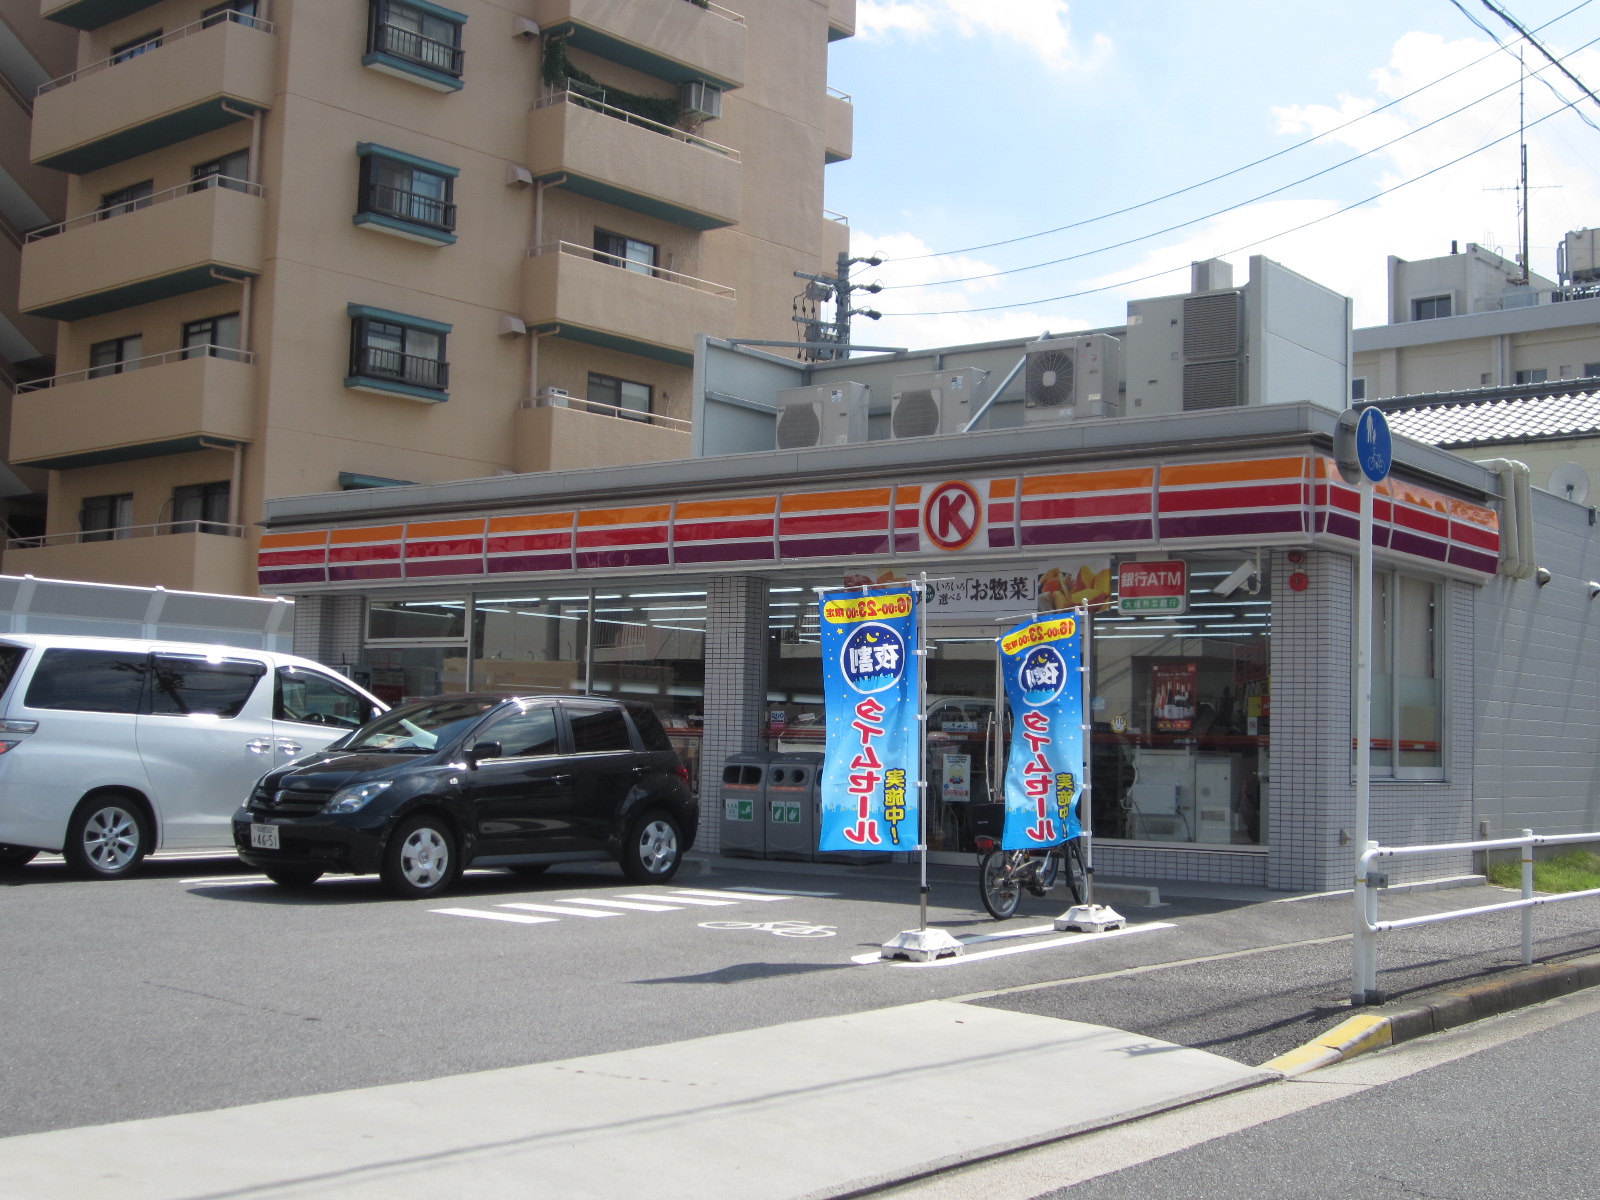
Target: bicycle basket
column 986, row 820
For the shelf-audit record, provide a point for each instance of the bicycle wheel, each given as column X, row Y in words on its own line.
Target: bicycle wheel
column 997, row 883
column 1077, row 877
column 1050, row 868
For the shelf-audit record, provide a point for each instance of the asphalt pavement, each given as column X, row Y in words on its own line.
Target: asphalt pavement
column 735, row 1026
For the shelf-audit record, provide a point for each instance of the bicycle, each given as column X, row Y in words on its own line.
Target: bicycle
column 1003, row 875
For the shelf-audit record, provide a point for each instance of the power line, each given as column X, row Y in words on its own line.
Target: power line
column 1489, row 33
column 1055, row 262
column 1534, row 42
column 1236, row 170
column 951, row 312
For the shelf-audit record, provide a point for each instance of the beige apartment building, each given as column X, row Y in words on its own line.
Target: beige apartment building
column 313, row 245
column 32, row 51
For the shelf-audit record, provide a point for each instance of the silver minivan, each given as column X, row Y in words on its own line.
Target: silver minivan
column 113, row 747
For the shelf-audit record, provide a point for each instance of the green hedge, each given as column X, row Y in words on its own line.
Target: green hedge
column 559, row 71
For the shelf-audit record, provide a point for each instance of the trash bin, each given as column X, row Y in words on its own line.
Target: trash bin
column 744, row 795
column 812, row 762
column 794, row 782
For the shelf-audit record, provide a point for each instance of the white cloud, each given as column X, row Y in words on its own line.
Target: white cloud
column 1042, row 26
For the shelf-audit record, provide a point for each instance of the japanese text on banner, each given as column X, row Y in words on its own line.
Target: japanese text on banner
column 870, row 792
column 1042, row 662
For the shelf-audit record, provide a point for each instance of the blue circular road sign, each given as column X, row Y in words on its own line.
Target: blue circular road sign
column 1374, row 448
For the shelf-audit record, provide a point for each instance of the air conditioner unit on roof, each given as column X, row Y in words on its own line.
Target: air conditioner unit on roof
column 933, row 402
column 1072, row 377
column 828, row 415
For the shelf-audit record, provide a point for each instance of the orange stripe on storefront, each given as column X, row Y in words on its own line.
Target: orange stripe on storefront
column 711, row 510
column 531, row 523
column 294, row 541
column 1200, row 474
column 653, row 514
column 444, row 529
column 368, row 535
column 797, row 502
column 1089, row 481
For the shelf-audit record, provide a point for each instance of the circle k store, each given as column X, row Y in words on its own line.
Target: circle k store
column 1216, row 551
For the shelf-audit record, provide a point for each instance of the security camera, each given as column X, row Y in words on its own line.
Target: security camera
column 1235, row 581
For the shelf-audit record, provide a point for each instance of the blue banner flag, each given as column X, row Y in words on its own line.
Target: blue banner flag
column 870, row 792
column 1042, row 662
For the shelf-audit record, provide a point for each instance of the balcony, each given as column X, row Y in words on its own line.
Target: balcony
column 672, row 41
column 587, row 296
column 92, row 14
column 143, row 556
column 577, row 434
column 835, row 240
column 839, row 120
column 171, row 403
column 181, row 240
column 201, row 77
column 611, row 155
column 841, row 19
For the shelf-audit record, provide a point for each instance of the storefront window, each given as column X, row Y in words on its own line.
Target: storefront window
column 1182, row 714
column 396, row 674
column 650, row 645
column 531, row 643
column 1407, row 726
column 417, row 620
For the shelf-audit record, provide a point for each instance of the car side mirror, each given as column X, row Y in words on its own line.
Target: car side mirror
column 482, row 751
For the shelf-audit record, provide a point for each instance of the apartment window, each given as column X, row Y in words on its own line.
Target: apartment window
column 1429, row 307
column 201, row 507
column 231, row 171
column 1407, row 688
column 405, row 194
column 106, row 518
column 125, row 200
column 115, row 355
column 631, row 400
column 1536, row 375
column 133, row 49
column 619, row 250
column 393, row 352
column 214, row 337
column 418, row 38
column 1358, row 388
column 245, row 12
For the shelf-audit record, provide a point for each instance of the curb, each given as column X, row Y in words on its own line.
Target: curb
column 1438, row 1011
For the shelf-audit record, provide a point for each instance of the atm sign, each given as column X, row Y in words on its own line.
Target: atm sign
column 1146, row 588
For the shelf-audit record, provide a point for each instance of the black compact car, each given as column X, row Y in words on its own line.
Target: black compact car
column 482, row 779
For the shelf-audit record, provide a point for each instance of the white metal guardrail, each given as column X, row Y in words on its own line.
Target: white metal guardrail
column 133, row 204
column 155, row 41
column 573, row 250
column 1364, row 957
column 602, row 409
column 122, row 533
column 598, row 104
column 208, row 350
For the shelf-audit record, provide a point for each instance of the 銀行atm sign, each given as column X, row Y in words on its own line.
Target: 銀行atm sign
column 1144, row 588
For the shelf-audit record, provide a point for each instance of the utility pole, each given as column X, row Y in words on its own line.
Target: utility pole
column 839, row 288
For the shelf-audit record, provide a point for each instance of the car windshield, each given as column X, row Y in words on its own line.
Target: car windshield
column 420, row 728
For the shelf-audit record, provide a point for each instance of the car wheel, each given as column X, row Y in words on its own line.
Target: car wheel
column 106, row 838
column 291, row 877
column 12, row 857
column 653, row 850
column 420, row 860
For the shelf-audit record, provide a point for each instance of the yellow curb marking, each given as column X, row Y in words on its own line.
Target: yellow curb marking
column 1345, row 1040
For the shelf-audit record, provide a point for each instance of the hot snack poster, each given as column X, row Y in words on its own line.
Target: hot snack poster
column 870, row 775
column 1044, row 774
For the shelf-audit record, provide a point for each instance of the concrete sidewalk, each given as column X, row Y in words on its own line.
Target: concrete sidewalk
column 815, row 1108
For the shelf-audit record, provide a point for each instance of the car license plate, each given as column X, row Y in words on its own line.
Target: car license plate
column 264, row 837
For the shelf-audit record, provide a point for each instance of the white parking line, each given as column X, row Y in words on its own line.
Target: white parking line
column 679, row 898
column 492, row 916
column 755, row 893
column 560, row 911
column 628, row 904
column 226, row 879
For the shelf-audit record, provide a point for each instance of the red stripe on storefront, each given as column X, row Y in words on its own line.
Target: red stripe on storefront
column 1080, row 507
column 597, row 538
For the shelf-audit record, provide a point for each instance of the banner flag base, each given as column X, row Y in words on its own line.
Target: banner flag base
column 1090, row 918
column 922, row 945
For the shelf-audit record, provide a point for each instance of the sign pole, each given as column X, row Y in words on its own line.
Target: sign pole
column 1088, row 917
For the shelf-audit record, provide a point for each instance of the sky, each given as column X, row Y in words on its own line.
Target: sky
column 985, row 121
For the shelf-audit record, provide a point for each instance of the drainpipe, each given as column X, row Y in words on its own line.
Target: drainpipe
column 1516, row 517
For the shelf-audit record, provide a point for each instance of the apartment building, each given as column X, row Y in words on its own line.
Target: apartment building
column 314, row 245
column 32, row 51
column 1469, row 319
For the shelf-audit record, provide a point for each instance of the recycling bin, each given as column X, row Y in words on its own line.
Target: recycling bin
column 794, row 788
column 744, row 803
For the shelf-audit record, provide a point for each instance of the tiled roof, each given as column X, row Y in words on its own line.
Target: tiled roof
column 1460, row 423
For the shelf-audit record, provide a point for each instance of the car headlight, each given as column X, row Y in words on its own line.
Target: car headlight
column 354, row 799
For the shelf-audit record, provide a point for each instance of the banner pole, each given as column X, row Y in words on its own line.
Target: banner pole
column 1086, row 788
column 922, row 741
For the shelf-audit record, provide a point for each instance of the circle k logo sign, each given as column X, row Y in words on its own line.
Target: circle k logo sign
column 952, row 515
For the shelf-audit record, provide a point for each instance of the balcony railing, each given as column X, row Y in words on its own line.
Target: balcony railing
column 608, row 410
column 409, row 206
column 134, row 364
column 129, row 53
column 838, row 95
column 376, row 362
column 569, row 96
column 123, row 207
column 616, row 260
column 121, row 533
column 414, row 47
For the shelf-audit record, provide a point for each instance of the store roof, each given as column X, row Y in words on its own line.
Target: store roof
column 1501, row 419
